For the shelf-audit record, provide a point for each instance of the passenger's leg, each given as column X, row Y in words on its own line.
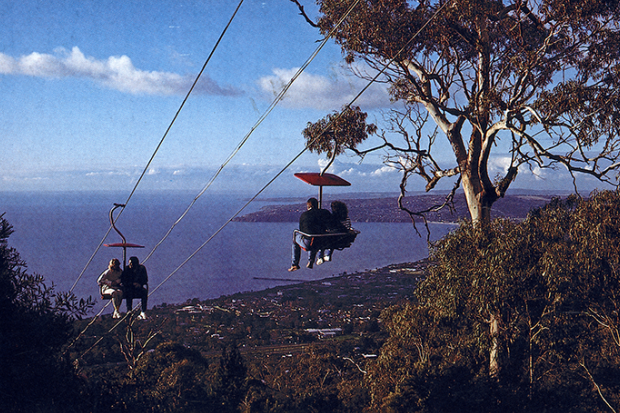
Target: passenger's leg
column 296, row 256
column 311, row 252
column 144, row 298
column 311, row 257
column 117, row 300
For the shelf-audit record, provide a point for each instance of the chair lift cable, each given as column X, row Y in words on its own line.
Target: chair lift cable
column 293, row 160
column 160, row 143
column 237, row 149
column 149, row 163
column 256, row 125
column 325, row 129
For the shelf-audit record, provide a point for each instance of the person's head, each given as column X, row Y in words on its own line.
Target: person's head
column 312, row 203
column 340, row 210
column 133, row 262
column 115, row 264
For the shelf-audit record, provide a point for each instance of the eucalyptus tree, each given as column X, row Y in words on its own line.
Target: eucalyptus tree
column 549, row 282
column 536, row 81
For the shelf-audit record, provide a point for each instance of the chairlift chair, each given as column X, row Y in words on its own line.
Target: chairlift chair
column 332, row 240
column 124, row 245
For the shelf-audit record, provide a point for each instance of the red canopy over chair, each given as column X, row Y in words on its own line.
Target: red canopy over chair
column 332, row 240
column 316, row 179
column 321, row 180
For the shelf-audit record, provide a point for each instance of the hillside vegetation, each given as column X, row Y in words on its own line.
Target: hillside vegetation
column 408, row 337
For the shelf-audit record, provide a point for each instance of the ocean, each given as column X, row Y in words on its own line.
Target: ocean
column 58, row 233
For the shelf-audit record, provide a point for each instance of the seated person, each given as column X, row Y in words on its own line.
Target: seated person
column 312, row 221
column 340, row 223
column 110, row 284
column 135, row 285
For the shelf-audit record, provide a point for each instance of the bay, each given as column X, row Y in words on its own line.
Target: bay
column 58, row 234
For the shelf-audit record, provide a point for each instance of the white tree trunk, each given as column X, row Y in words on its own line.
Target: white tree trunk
column 480, row 211
column 479, row 208
column 494, row 353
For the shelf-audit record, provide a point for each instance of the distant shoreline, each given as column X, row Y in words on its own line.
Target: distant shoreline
column 371, row 279
column 385, row 209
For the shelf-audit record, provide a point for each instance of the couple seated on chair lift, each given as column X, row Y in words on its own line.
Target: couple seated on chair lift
column 318, row 221
column 129, row 284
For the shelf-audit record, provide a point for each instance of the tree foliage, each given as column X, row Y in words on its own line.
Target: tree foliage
column 36, row 323
column 230, row 383
column 338, row 131
column 171, row 378
column 538, row 81
column 319, row 380
column 550, row 282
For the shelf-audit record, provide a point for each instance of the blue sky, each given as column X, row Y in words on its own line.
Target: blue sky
column 87, row 90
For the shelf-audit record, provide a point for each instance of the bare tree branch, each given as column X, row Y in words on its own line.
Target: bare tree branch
column 510, row 72
column 598, row 388
column 303, row 13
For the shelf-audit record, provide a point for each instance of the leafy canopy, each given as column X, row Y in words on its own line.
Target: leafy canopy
column 538, row 82
column 550, row 282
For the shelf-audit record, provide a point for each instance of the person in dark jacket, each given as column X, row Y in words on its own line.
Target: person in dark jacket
column 312, row 221
column 135, row 282
column 340, row 223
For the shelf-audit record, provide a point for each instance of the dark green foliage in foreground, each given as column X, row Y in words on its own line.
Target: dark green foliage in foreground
column 171, row 378
column 35, row 323
column 551, row 281
column 536, row 299
column 174, row 378
column 230, row 380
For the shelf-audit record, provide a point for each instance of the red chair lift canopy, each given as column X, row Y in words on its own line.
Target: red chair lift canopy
column 316, row 179
column 123, row 245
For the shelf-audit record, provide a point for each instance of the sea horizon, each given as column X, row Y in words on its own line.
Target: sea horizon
column 57, row 234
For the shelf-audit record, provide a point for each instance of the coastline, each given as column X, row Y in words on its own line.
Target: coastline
column 384, row 209
column 393, row 282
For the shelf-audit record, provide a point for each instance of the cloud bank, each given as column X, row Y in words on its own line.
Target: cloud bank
column 323, row 92
column 116, row 72
column 248, row 179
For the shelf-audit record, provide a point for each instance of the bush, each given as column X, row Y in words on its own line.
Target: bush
column 519, row 316
column 36, row 323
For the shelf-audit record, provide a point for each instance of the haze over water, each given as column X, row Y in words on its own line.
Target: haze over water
column 57, row 234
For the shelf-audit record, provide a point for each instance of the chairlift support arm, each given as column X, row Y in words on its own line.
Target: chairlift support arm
column 124, row 245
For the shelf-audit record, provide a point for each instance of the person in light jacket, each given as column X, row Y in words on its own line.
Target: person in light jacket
column 110, row 285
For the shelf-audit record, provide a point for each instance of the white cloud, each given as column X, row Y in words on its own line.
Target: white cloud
column 352, row 172
column 108, row 173
column 384, row 170
column 116, row 72
column 500, row 164
column 248, row 179
column 322, row 162
column 322, row 92
column 15, row 179
column 7, row 64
